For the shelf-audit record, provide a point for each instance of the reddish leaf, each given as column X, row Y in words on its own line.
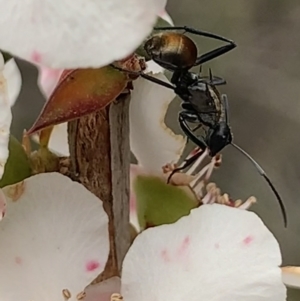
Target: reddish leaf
column 80, row 92
column 84, row 91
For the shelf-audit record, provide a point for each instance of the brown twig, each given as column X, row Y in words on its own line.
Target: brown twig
column 100, row 154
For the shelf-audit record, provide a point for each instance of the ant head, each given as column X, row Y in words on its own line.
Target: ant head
column 219, row 137
column 153, row 45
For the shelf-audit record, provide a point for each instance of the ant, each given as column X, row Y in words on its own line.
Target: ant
column 202, row 104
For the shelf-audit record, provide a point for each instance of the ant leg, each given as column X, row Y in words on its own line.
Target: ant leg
column 188, row 162
column 189, row 116
column 214, row 54
column 211, row 54
column 213, row 80
column 189, row 133
column 148, row 77
column 224, row 100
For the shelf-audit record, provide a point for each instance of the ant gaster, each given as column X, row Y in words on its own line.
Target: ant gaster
column 202, row 103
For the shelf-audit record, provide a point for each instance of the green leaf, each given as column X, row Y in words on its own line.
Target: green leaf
column 17, row 167
column 161, row 203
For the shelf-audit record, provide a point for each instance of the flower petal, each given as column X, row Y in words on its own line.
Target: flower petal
column 135, row 171
column 14, row 80
column 48, row 79
column 291, row 276
column 5, row 118
column 216, row 253
column 58, row 142
column 151, row 141
column 102, row 291
column 165, row 16
column 54, row 237
column 76, row 33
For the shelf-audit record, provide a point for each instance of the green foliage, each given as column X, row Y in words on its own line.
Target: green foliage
column 160, row 203
column 17, row 167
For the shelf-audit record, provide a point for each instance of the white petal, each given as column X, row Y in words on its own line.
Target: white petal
column 48, row 79
column 217, row 253
column 164, row 15
column 76, row 33
column 154, row 68
column 291, row 276
column 151, row 141
column 102, row 291
column 135, row 170
column 58, row 142
column 5, row 119
column 54, row 237
column 14, row 80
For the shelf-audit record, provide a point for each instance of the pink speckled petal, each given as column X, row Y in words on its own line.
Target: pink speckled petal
column 54, row 236
column 76, row 33
column 216, row 253
column 48, row 79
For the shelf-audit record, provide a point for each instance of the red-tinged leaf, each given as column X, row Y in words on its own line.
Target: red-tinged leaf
column 81, row 92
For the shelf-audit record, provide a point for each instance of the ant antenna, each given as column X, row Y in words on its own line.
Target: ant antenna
column 263, row 174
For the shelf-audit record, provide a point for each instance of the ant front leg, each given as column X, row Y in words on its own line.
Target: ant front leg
column 214, row 54
column 211, row 54
column 197, row 32
column 183, row 118
column 146, row 76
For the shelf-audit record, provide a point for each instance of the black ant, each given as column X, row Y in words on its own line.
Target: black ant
column 202, row 103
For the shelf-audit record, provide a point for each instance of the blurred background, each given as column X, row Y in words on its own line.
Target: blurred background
column 263, row 87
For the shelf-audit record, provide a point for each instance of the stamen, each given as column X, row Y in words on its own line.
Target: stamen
column 199, row 176
column 246, row 205
column 66, row 294
column 213, row 195
column 116, row 297
column 207, row 199
column 197, row 163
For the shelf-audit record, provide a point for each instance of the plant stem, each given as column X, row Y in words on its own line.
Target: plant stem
column 100, row 158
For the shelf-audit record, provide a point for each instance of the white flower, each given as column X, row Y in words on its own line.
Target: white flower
column 76, row 33
column 54, row 239
column 216, row 253
column 10, row 86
